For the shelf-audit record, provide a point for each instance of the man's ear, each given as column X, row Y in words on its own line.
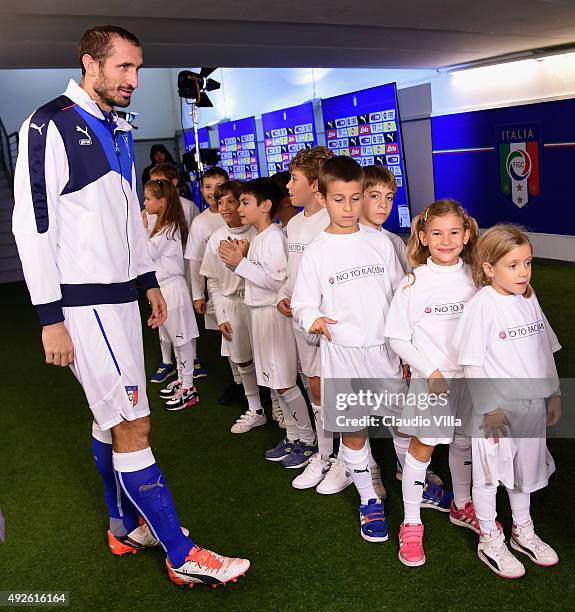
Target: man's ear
column 91, row 66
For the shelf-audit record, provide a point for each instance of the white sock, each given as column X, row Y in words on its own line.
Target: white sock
column 412, row 488
column 484, row 504
column 520, row 503
column 401, row 446
column 289, row 421
column 235, row 372
column 305, row 382
column 324, row 438
column 460, row 468
column 294, row 403
column 185, row 355
column 357, row 461
column 251, row 389
column 166, row 348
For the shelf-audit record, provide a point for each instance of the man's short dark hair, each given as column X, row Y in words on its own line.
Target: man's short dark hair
column 264, row 188
column 97, row 42
column 215, row 171
column 339, row 168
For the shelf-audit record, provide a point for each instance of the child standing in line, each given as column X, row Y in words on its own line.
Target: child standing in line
column 166, row 250
column 263, row 265
column 421, row 324
column 506, row 347
column 343, row 291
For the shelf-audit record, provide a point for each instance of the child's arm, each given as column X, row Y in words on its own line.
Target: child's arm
column 210, row 269
column 194, row 255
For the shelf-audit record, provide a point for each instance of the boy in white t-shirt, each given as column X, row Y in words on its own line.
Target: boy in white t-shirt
column 343, row 291
column 227, row 290
column 301, row 230
column 263, row 265
column 203, row 226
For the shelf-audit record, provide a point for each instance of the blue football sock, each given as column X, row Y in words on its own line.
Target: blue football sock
column 146, row 487
column 123, row 515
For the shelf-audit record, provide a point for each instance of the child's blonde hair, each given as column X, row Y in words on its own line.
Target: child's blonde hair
column 171, row 218
column 417, row 253
column 493, row 245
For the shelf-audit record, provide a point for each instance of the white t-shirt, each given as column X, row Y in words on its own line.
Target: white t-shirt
column 203, row 226
column 508, row 336
column 167, row 254
column 265, row 268
column 221, row 280
column 300, row 230
column 399, row 247
column 426, row 314
column 350, row 278
column 191, row 211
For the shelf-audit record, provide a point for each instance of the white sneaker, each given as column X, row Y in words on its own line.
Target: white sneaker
column 203, row 566
column 493, row 551
column 315, row 471
column 247, row 421
column 525, row 540
column 376, row 479
column 337, row 479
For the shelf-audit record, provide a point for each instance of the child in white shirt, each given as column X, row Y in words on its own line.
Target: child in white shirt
column 506, row 347
column 343, row 290
column 263, row 265
column 166, row 251
column 421, row 323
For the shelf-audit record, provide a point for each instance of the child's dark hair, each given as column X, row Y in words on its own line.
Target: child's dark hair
column 171, row 218
column 215, row 171
column 282, row 179
column 339, row 168
column 379, row 175
column 262, row 189
column 166, row 170
column 233, row 187
column 417, row 253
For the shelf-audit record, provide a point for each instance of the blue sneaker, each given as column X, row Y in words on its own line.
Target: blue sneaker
column 373, row 524
column 199, row 372
column 164, row 371
column 300, row 456
column 281, row 450
column 436, row 497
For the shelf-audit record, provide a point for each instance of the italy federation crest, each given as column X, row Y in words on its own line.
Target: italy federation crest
column 519, row 172
column 132, row 392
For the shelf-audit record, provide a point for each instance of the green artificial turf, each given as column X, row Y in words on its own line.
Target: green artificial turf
column 305, row 549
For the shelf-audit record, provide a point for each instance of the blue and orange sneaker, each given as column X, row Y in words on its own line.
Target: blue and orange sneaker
column 199, row 372
column 164, row 371
column 436, row 497
column 373, row 524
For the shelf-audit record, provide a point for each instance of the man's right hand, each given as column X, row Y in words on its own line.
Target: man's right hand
column 226, row 330
column 284, row 307
column 58, row 345
column 200, row 306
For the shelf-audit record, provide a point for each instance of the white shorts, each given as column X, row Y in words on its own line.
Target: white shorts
column 308, row 353
column 437, row 424
column 239, row 350
column 109, row 360
column 180, row 326
column 376, row 368
column 275, row 354
column 517, row 463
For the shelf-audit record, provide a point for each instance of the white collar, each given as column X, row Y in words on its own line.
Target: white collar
column 444, row 269
column 81, row 97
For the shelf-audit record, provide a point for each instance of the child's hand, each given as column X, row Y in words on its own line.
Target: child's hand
column 159, row 308
column 284, row 307
column 553, row 410
column 226, row 330
column 437, row 383
column 230, row 253
column 494, row 423
column 243, row 244
column 319, row 326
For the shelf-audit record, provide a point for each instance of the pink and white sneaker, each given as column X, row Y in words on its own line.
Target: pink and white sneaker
column 464, row 517
column 411, row 551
